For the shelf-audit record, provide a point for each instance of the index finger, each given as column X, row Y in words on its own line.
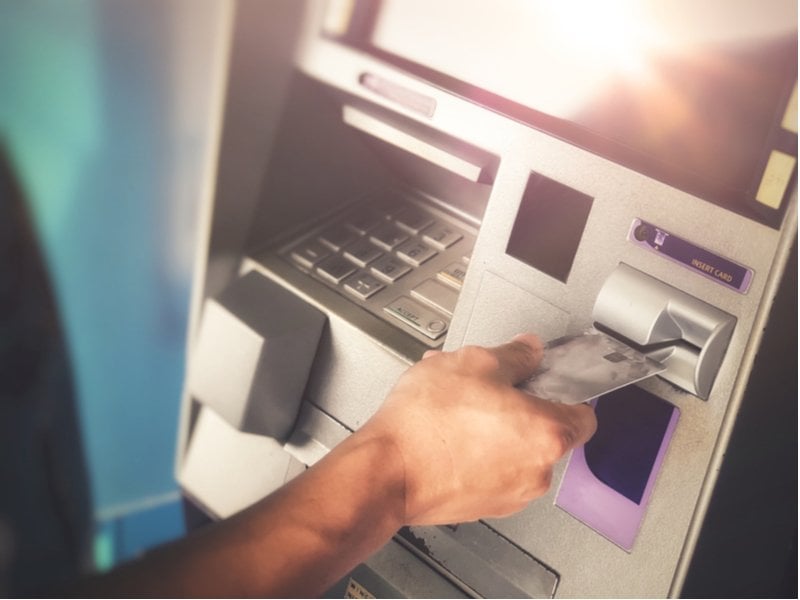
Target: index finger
column 518, row 359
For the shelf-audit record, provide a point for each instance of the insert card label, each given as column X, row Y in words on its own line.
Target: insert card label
column 708, row 264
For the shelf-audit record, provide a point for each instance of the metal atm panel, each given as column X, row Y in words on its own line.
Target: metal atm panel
column 410, row 208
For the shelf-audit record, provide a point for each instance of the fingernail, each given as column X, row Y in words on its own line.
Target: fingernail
column 529, row 339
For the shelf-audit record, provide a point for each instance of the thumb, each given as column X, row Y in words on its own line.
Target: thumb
column 518, row 359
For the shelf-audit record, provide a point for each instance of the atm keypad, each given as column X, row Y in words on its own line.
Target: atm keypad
column 337, row 237
column 403, row 261
column 390, row 268
column 335, row 269
column 426, row 321
column 441, row 236
column 362, row 221
column 363, row 252
column 453, row 274
column 310, row 253
column 388, row 236
column 415, row 252
column 413, row 220
column 437, row 295
column 363, row 285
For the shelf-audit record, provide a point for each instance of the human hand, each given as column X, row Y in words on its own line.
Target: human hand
column 454, row 441
column 471, row 444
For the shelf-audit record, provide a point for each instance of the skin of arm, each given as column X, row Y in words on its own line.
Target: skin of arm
column 454, row 441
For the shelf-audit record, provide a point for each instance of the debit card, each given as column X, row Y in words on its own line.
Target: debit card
column 578, row 368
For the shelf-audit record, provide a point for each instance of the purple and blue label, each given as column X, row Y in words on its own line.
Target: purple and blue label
column 708, row 264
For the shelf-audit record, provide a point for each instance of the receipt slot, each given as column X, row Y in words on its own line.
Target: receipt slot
column 684, row 333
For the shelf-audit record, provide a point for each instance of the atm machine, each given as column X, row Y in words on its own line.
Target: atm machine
column 400, row 175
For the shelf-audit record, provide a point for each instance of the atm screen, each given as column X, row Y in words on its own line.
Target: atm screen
column 693, row 94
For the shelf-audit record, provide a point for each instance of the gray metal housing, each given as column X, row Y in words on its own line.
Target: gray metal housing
column 288, row 158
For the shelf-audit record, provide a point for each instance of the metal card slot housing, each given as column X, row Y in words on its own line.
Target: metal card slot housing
column 682, row 332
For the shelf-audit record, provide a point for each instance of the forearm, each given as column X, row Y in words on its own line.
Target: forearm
column 454, row 441
column 355, row 501
column 297, row 542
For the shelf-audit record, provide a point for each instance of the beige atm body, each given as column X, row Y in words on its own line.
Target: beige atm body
column 370, row 205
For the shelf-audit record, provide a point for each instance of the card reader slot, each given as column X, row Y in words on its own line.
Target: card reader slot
column 655, row 348
column 686, row 334
column 678, row 356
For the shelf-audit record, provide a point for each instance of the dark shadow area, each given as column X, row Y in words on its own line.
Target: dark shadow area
column 748, row 544
column 45, row 507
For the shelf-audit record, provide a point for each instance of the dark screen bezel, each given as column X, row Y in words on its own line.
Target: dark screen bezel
column 740, row 201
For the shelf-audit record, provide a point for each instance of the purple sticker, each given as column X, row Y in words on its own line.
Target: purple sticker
column 702, row 261
column 615, row 505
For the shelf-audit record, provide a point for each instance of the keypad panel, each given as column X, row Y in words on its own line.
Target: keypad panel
column 399, row 258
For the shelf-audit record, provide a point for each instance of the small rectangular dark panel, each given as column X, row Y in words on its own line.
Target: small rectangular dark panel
column 549, row 226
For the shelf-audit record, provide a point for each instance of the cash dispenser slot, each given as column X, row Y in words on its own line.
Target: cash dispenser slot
column 682, row 332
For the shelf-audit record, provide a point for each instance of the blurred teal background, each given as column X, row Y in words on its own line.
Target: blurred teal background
column 108, row 112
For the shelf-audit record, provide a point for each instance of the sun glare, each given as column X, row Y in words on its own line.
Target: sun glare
column 617, row 36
